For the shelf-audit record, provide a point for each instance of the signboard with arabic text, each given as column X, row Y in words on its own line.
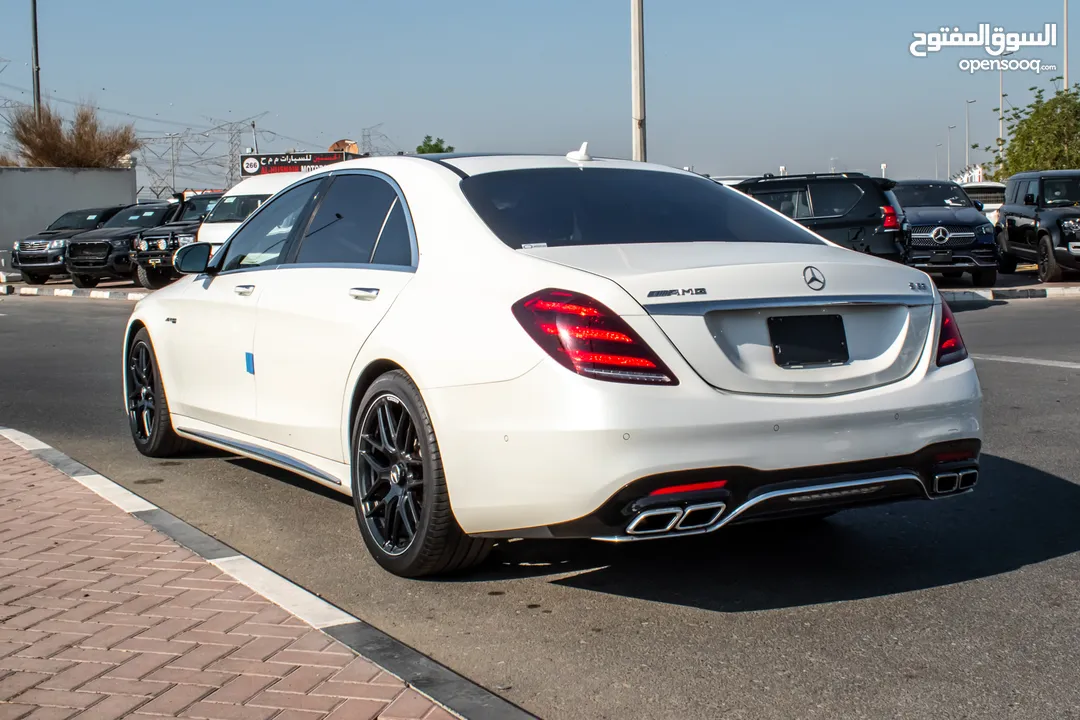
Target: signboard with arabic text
column 266, row 163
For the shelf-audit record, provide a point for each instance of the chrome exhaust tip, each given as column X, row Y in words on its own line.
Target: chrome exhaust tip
column 945, row 483
column 701, row 516
column 968, row 478
column 654, row 522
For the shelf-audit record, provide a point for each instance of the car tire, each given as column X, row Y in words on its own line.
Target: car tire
column 985, row 278
column 1007, row 262
column 148, row 409
column 1049, row 270
column 151, row 279
column 84, row 281
column 392, row 441
column 34, row 278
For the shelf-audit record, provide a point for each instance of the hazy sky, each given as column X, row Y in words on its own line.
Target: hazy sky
column 731, row 87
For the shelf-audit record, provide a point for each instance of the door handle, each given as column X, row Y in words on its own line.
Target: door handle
column 364, row 293
column 244, row 289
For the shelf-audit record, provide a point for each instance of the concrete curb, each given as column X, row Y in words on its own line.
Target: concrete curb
column 73, row 292
column 1004, row 294
column 418, row 671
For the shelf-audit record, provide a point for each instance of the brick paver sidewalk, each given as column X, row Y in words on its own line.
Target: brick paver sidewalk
column 103, row 617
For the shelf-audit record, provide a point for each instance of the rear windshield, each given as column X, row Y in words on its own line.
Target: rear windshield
column 931, row 195
column 139, row 216
column 235, row 208
column 556, row 207
column 78, row 220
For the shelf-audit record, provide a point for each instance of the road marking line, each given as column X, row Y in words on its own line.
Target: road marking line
column 307, row 606
column 1028, row 361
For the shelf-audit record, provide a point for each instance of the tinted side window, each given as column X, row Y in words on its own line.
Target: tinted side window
column 348, row 221
column 833, row 199
column 794, row 203
column 1032, row 189
column 1010, row 191
column 394, row 246
column 261, row 242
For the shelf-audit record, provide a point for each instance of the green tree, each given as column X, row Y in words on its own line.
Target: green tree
column 1045, row 135
column 438, row 145
column 50, row 141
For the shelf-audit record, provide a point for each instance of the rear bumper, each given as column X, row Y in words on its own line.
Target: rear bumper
column 551, row 448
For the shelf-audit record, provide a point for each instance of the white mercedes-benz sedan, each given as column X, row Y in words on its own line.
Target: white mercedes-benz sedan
column 477, row 347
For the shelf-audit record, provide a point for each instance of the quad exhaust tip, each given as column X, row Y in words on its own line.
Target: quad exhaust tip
column 664, row 520
column 951, row 482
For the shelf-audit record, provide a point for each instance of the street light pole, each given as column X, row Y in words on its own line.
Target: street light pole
column 637, row 76
column 967, row 134
column 937, row 175
column 948, row 153
column 1066, row 36
column 35, row 63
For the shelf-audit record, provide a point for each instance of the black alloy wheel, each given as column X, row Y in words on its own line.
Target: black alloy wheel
column 1049, row 270
column 141, row 392
column 399, row 491
column 147, row 406
column 392, row 475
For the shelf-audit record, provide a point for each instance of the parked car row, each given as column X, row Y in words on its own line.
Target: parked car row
column 137, row 241
column 928, row 224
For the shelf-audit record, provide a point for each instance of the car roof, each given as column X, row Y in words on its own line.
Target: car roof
column 914, row 181
column 265, row 184
column 988, row 184
column 469, row 164
column 1046, row 173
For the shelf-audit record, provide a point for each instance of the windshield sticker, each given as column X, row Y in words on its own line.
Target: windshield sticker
column 134, row 217
column 229, row 200
column 91, row 217
column 148, row 213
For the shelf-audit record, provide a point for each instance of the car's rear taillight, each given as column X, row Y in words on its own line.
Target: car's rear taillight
column 588, row 338
column 892, row 221
column 951, row 347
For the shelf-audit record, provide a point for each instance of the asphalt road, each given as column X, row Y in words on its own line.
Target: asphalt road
column 965, row 608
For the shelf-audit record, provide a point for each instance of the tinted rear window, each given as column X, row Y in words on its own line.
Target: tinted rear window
column 556, row 207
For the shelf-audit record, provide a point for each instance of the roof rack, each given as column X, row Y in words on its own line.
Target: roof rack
column 805, row 176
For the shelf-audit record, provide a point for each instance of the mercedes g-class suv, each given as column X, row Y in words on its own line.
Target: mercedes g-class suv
column 1040, row 222
column 105, row 253
column 950, row 235
column 41, row 256
column 850, row 209
column 153, row 249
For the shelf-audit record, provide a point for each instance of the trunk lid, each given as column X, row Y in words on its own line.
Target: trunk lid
column 726, row 307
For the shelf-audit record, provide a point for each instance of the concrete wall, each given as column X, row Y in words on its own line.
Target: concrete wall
column 31, row 198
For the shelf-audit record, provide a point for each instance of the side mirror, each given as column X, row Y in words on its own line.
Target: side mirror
column 1029, row 199
column 192, row 259
column 978, row 205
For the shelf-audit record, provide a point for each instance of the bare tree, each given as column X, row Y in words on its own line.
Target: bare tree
column 85, row 143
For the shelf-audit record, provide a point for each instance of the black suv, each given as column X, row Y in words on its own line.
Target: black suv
column 153, row 250
column 106, row 252
column 41, row 256
column 949, row 233
column 850, row 209
column 1040, row 222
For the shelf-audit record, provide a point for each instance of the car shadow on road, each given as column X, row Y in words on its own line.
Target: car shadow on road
column 1017, row 516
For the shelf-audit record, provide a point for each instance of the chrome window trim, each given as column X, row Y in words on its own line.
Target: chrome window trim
column 705, row 306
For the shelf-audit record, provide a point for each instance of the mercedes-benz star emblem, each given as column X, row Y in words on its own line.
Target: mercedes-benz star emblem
column 940, row 235
column 813, row 277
